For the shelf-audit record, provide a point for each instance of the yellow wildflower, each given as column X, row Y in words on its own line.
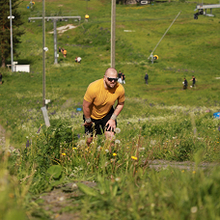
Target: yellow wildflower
column 183, row 171
column 133, row 157
column 63, row 154
column 194, row 171
column 114, row 154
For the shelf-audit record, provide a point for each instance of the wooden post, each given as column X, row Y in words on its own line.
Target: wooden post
column 113, row 14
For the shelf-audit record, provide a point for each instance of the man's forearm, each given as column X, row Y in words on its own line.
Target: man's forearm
column 86, row 112
column 117, row 111
column 86, row 109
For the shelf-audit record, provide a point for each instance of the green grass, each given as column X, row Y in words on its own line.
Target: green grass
column 159, row 121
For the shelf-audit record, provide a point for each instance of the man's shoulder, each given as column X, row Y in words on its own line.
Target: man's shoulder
column 96, row 84
column 120, row 87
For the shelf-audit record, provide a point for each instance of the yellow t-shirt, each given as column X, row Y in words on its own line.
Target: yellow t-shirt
column 103, row 99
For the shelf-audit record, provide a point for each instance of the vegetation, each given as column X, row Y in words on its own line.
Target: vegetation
column 49, row 172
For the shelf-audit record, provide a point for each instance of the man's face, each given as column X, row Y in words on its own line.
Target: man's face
column 111, row 79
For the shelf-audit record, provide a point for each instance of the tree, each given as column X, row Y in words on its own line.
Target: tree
column 5, row 43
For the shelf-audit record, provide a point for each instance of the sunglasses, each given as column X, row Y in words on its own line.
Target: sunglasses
column 112, row 79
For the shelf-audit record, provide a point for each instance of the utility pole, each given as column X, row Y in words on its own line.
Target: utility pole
column 113, row 14
column 44, row 55
column 11, row 36
column 44, row 109
column 55, row 40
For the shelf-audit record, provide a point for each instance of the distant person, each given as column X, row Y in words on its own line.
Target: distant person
column 146, row 78
column 59, row 49
column 78, row 59
column 98, row 105
column 119, row 77
column 0, row 78
column 123, row 78
column 64, row 53
column 193, row 81
column 185, row 84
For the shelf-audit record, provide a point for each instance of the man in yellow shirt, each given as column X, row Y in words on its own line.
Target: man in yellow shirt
column 98, row 105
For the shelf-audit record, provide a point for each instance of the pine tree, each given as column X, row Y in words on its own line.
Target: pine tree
column 5, row 43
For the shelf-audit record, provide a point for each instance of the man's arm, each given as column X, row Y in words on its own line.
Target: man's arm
column 87, row 113
column 118, row 108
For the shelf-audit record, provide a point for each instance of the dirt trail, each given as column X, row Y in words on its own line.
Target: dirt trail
column 185, row 165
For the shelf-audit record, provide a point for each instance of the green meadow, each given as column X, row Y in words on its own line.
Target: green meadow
column 164, row 162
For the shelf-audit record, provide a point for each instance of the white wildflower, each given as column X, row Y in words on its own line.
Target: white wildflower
column 117, row 141
column 152, row 205
column 82, row 143
column 153, row 142
column 117, row 130
column 117, row 179
column 194, row 209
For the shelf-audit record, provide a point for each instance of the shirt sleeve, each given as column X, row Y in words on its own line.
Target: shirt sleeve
column 121, row 97
column 89, row 96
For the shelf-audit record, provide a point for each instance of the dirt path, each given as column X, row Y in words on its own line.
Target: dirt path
column 185, row 165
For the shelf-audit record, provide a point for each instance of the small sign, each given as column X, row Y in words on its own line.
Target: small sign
column 46, row 119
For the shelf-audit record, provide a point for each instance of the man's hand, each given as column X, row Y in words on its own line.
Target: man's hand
column 111, row 125
column 87, row 124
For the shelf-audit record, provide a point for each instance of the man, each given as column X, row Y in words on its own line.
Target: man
column 98, row 105
column 64, row 53
column 119, row 77
column 123, row 78
column 193, row 81
column 79, row 59
column 146, row 78
column 185, row 84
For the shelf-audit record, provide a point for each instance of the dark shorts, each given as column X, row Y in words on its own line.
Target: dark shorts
column 98, row 126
